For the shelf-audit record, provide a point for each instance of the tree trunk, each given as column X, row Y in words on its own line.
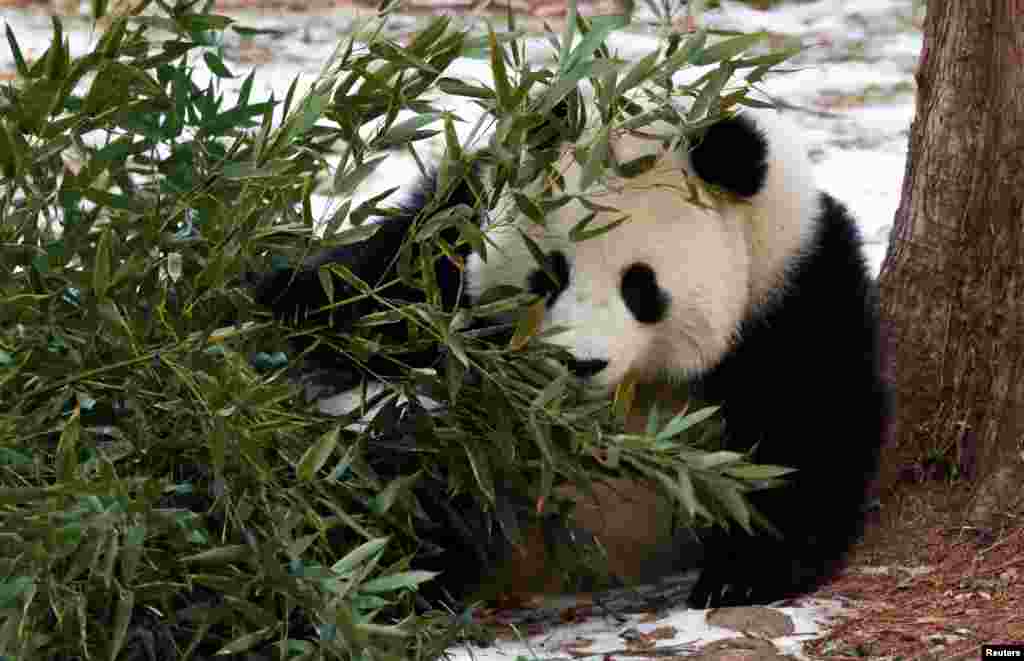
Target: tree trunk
column 952, row 283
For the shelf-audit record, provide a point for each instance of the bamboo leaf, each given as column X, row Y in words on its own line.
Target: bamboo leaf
column 369, row 207
column 624, row 398
column 717, row 459
column 19, row 59
column 362, row 553
column 597, row 156
column 728, row 48
column 459, row 88
column 711, row 91
column 67, row 449
column 758, row 472
column 528, row 325
column 550, row 392
column 314, row 458
column 482, row 473
column 407, row 131
column 639, row 72
column 529, row 208
column 684, row 421
column 102, row 264
column 408, row 579
column 246, row 641
column 540, row 258
column 579, row 231
column 502, row 86
column 217, row 66
column 687, row 495
column 600, row 28
column 354, row 235
column 122, row 618
column 384, row 500
column 220, row 555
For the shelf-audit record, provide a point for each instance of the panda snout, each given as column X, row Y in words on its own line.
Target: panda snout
column 584, row 369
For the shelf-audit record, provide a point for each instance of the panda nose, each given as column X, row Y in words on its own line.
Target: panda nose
column 586, row 368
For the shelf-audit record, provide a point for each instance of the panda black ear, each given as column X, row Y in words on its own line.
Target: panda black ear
column 733, row 155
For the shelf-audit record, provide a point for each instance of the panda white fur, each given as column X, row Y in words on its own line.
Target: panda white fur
column 765, row 306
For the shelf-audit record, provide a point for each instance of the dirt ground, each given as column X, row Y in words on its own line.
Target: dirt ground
column 928, row 587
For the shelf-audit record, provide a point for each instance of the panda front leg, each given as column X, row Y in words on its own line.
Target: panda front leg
column 460, row 538
column 298, row 297
column 726, row 579
column 741, row 569
column 819, row 513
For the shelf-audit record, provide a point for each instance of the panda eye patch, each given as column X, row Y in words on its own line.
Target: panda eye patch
column 539, row 282
column 640, row 291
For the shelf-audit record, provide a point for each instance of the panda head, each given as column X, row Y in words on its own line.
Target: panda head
column 663, row 294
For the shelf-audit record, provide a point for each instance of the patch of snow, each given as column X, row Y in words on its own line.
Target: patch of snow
column 600, row 637
column 904, row 44
column 868, row 182
column 806, row 17
column 813, row 81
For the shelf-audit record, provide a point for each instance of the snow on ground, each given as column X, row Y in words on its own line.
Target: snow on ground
column 677, row 633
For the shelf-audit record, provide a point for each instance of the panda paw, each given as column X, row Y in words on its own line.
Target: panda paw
column 720, row 592
column 747, row 579
column 758, row 578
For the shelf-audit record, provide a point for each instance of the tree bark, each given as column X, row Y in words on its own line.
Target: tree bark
column 952, row 283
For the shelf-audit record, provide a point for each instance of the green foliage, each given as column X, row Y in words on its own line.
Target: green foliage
column 161, row 473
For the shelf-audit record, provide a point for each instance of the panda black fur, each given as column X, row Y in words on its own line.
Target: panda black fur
column 766, row 306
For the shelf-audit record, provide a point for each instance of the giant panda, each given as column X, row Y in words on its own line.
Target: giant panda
column 760, row 300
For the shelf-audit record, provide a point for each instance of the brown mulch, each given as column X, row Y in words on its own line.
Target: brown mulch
column 926, row 588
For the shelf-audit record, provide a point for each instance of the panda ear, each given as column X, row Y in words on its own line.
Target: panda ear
column 733, row 155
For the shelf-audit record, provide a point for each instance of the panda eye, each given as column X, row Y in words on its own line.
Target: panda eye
column 640, row 291
column 538, row 282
